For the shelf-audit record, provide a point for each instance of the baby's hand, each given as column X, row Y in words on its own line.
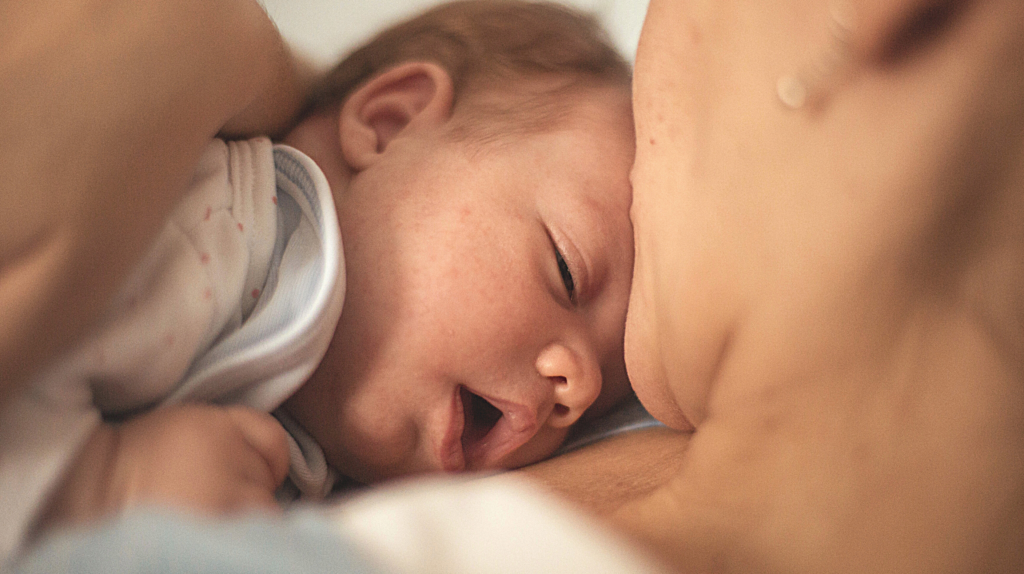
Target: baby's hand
column 196, row 457
column 216, row 459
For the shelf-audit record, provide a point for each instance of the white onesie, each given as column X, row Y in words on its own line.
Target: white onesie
column 236, row 302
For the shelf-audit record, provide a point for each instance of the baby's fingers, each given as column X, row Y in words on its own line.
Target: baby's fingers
column 267, row 437
column 250, row 497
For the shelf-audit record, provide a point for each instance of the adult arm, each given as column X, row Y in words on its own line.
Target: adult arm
column 107, row 105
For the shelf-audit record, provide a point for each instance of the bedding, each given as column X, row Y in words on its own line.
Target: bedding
column 450, row 526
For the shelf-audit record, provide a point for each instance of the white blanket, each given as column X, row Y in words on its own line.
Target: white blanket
column 491, row 526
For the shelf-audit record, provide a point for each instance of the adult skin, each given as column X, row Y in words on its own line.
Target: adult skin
column 106, row 107
column 832, row 296
column 600, row 478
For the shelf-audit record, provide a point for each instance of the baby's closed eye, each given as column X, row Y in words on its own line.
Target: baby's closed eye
column 566, row 273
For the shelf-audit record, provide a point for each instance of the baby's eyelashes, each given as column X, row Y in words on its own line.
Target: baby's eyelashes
column 571, row 269
column 567, row 278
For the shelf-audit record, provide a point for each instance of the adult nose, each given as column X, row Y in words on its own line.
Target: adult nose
column 575, row 379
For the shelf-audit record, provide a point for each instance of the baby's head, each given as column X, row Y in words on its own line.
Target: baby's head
column 479, row 157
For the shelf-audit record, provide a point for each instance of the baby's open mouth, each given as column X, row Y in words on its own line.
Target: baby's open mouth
column 492, row 428
column 479, row 419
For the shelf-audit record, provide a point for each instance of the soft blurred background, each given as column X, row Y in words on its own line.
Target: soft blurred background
column 327, row 29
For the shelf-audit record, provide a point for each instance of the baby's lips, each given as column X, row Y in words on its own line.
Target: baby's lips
column 517, row 425
column 450, row 451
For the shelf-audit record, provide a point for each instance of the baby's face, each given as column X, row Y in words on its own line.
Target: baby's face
column 486, row 296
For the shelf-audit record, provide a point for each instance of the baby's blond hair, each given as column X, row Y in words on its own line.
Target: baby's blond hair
column 489, row 44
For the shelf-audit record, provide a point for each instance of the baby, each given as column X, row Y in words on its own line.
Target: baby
column 477, row 160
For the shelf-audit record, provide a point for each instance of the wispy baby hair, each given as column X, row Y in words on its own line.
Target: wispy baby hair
column 485, row 44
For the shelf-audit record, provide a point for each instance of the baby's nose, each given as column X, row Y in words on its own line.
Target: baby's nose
column 575, row 379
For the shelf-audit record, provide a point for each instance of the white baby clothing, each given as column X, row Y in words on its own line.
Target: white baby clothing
column 236, row 302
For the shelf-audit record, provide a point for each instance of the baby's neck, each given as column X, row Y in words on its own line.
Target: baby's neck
column 317, row 136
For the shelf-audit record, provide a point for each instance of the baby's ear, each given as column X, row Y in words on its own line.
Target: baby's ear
column 410, row 96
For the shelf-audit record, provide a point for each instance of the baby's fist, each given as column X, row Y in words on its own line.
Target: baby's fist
column 202, row 457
